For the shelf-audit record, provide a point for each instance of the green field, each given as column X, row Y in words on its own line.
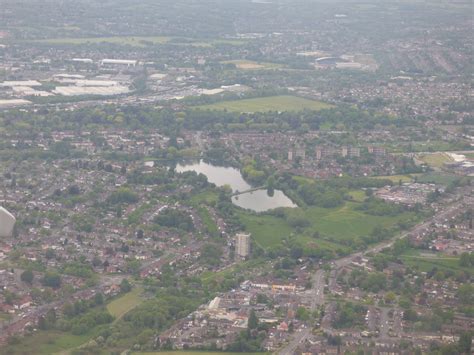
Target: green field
column 51, row 342
column 138, row 41
column 425, row 263
column 252, row 65
column 335, row 225
column 124, row 40
column 47, row 342
column 195, row 353
column 437, row 178
column 397, row 178
column 435, row 160
column 358, row 195
column 125, row 303
column 271, row 103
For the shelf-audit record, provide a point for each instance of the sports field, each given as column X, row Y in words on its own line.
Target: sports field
column 252, row 65
column 270, row 103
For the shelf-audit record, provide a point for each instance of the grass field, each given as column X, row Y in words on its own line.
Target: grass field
column 125, row 303
column 427, row 262
column 139, row 41
column 252, row 65
column 124, row 41
column 334, row 225
column 358, row 195
column 435, row 160
column 56, row 342
column 47, row 342
column 437, row 178
column 195, row 353
column 271, row 103
column 397, row 178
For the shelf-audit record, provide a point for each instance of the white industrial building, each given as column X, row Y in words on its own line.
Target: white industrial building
column 119, row 62
column 7, row 222
column 242, row 244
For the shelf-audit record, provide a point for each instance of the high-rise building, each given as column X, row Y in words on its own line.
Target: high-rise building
column 242, row 244
column 7, row 222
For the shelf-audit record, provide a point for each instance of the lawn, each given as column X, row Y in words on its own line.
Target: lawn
column 48, row 342
column 435, row 160
column 125, row 303
column 428, row 262
column 358, row 195
column 271, row 103
column 334, row 225
column 139, row 41
column 252, row 65
column 195, row 353
column 437, row 178
column 397, row 178
column 123, row 40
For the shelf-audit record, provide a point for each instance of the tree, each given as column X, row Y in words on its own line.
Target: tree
column 465, row 343
column 51, row 279
column 50, row 254
column 98, row 299
column 125, row 286
column 27, row 276
column 465, row 260
column 390, row 297
column 42, row 323
column 302, row 314
column 252, row 320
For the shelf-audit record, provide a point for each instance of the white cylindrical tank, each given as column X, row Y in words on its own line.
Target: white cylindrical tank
column 7, row 222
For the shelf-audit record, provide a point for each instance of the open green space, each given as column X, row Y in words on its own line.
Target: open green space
column 138, row 41
column 335, row 225
column 357, row 195
column 125, row 303
column 48, row 342
column 397, row 178
column 270, row 103
column 437, row 178
column 435, row 160
column 52, row 341
column 252, row 65
column 122, row 40
column 426, row 262
column 195, row 353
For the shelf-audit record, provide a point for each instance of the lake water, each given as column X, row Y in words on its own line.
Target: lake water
column 258, row 200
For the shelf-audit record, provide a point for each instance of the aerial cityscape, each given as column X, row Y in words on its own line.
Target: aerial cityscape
column 184, row 177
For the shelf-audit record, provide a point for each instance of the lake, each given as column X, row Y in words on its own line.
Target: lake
column 257, row 200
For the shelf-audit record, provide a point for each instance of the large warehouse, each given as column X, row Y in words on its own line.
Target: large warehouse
column 7, row 222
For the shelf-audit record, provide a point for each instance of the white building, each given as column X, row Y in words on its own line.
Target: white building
column 242, row 244
column 119, row 62
column 7, row 222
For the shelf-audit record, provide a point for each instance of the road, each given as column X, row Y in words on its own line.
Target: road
column 318, row 284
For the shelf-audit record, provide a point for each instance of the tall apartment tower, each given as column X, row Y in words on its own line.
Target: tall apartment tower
column 7, row 222
column 242, row 244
